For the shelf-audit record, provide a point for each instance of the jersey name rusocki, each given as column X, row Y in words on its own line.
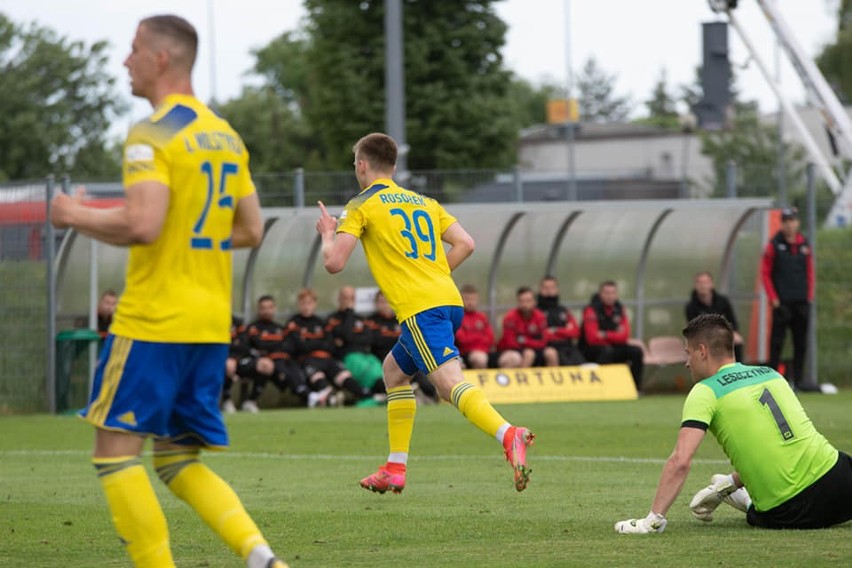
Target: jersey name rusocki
column 401, row 198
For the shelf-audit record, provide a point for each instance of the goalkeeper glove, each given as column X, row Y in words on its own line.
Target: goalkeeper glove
column 653, row 523
column 721, row 489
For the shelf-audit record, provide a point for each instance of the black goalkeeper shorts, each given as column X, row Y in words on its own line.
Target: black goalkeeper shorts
column 828, row 501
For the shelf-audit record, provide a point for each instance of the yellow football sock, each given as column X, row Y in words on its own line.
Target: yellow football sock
column 401, row 410
column 136, row 513
column 212, row 498
column 471, row 402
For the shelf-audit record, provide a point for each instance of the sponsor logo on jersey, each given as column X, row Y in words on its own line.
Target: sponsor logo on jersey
column 139, row 153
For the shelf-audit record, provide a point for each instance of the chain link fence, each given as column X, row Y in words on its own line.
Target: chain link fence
column 23, row 298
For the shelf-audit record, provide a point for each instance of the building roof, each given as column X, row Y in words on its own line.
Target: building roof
column 594, row 131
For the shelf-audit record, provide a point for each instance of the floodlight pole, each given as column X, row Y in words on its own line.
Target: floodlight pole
column 50, row 237
column 395, row 85
column 212, row 43
column 570, row 125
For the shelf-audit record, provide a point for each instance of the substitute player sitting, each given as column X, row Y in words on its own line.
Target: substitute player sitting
column 787, row 475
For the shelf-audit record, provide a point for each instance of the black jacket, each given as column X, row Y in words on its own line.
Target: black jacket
column 349, row 332
column 719, row 305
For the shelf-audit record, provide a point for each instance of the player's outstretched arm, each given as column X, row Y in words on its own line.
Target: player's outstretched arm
column 461, row 244
column 671, row 482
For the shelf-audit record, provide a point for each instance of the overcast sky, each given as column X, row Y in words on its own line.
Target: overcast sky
column 632, row 39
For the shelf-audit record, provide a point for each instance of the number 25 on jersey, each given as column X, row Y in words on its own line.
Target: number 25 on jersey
column 220, row 199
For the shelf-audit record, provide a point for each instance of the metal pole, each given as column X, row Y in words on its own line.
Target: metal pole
column 812, row 356
column 50, row 236
column 93, row 307
column 569, row 125
column 572, row 166
column 517, row 183
column 731, row 185
column 807, row 140
column 731, row 179
column 762, row 312
column 782, row 159
column 395, row 84
column 212, row 44
column 299, row 188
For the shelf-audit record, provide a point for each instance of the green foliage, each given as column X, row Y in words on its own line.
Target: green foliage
column 297, row 470
column 277, row 139
column 597, row 99
column 530, row 101
column 662, row 106
column 835, row 57
column 753, row 146
column 459, row 97
column 834, row 304
column 345, row 84
column 56, row 103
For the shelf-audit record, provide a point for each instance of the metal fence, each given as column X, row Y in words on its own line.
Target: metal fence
column 23, row 297
column 25, row 243
column 300, row 188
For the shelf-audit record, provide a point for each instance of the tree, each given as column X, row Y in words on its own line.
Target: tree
column 662, row 107
column 56, row 102
column 530, row 101
column 753, row 146
column 276, row 136
column 835, row 57
column 460, row 111
column 597, row 100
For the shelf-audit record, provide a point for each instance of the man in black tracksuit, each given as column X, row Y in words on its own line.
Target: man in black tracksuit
column 314, row 347
column 353, row 340
column 787, row 271
column 270, row 356
column 706, row 300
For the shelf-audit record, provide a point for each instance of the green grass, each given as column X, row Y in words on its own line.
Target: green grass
column 296, row 471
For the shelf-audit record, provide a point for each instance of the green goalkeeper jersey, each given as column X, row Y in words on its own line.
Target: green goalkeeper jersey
column 763, row 430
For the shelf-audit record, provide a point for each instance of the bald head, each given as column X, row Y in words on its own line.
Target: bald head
column 346, row 298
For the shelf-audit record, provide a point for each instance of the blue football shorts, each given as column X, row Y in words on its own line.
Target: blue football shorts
column 428, row 339
column 167, row 390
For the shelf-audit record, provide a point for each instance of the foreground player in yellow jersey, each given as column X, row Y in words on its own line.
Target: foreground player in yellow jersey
column 189, row 200
column 402, row 233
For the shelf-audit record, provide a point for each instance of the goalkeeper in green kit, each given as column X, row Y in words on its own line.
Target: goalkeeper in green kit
column 787, row 475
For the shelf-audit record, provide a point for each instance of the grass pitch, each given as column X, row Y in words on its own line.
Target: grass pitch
column 297, row 471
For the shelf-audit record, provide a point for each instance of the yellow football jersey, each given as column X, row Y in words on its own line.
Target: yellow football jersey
column 401, row 234
column 178, row 288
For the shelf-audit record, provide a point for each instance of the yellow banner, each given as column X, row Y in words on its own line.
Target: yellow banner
column 555, row 384
column 560, row 111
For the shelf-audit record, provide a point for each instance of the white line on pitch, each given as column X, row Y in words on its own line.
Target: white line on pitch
column 331, row 457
